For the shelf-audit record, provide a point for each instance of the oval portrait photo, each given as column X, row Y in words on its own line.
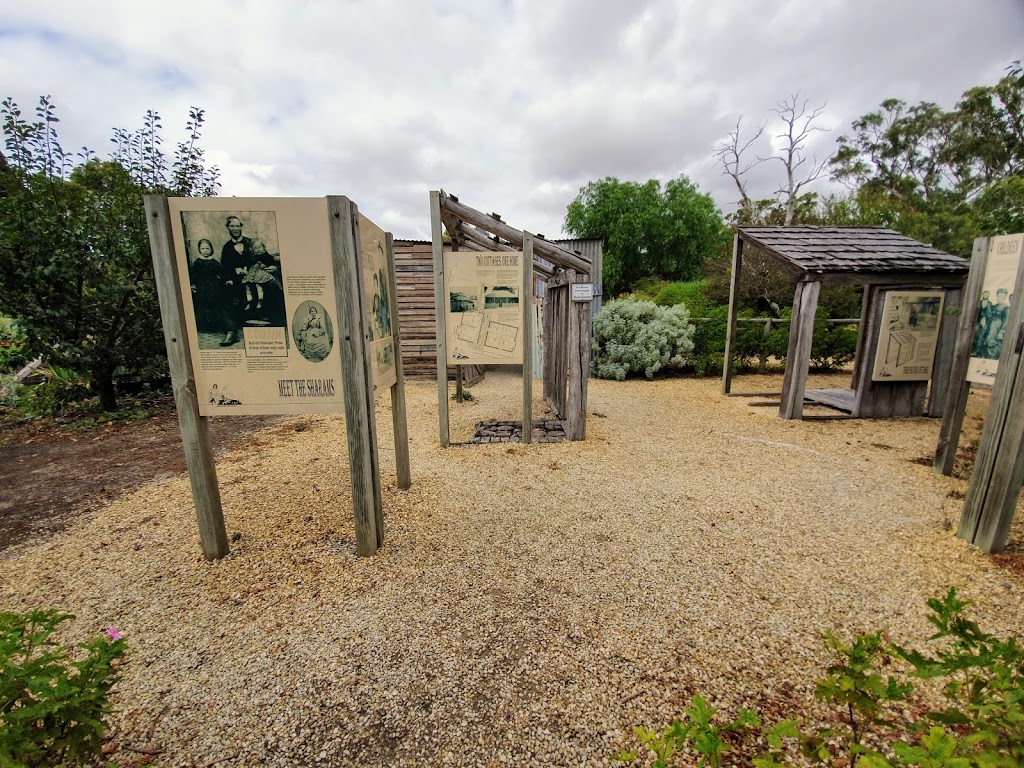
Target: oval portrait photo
column 313, row 331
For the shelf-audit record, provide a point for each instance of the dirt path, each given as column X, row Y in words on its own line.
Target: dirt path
column 50, row 474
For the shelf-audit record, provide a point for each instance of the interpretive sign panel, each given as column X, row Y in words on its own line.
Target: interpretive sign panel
column 908, row 336
column 258, row 293
column 373, row 251
column 483, row 314
column 1004, row 258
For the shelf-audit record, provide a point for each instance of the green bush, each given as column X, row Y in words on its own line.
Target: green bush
column 13, row 351
column 879, row 725
column 53, row 707
column 633, row 337
column 691, row 294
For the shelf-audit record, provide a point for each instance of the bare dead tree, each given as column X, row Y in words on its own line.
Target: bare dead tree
column 729, row 155
column 798, row 119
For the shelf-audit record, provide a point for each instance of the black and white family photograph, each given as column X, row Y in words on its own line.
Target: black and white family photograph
column 234, row 265
column 313, row 331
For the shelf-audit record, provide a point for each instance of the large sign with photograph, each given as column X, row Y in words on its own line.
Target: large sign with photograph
column 258, row 294
column 908, row 336
column 1004, row 258
column 483, row 314
column 377, row 310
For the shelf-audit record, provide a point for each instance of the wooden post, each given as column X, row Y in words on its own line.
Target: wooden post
column 549, row 344
column 403, row 470
column 356, row 380
column 371, row 399
column 948, row 327
column 195, row 433
column 798, row 359
column 959, row 387
column 459, row 396
column 734, row 299
column 578, row 344
column 762, row 357
column 999, row 467
column 437, row 239
column 526, row 300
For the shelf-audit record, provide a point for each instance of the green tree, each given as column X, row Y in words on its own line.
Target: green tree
column 75, row 266
column 647, row 230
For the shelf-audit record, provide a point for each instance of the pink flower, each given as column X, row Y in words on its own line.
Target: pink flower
column 113, row 634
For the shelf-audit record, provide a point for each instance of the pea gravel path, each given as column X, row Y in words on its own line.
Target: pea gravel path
column 531, row 603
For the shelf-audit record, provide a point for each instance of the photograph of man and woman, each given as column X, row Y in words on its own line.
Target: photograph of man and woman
column 234, row 266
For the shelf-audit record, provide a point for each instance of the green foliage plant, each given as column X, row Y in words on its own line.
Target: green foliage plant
column 639, row 337
column 648, row 229
column 869, row 685
column 53, row 706
column 75, row 266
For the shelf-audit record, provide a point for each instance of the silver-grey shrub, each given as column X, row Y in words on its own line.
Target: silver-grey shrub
column 632, row 337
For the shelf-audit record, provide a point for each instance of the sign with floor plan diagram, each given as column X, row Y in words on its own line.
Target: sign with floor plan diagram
column 909, row 335
column 483, row 315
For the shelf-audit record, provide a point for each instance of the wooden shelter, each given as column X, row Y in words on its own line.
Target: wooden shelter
column 879, row 259
column 567, row 323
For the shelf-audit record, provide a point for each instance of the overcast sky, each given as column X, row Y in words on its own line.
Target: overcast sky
column 512, row 105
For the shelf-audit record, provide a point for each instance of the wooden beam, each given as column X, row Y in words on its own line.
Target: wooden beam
column 403, row 470
column 545, row 249
column 440, row 307
column 356, row 381
column 958, row 386
column 579, row 367
column 526, row 300
column 195, row 433
column 943, row 363
column 801, row 333
column 478, row 242
column 734, row 300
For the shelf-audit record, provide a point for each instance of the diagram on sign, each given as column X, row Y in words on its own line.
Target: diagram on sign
column 909, row 336
column 483, row 313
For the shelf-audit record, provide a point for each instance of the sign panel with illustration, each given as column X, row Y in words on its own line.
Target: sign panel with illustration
column 1004, row 258
column 377, row 309
column 258, row 293
column 483, row 315
column 908, row 336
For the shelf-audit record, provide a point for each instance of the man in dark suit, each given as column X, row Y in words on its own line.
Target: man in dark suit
column 235, row 257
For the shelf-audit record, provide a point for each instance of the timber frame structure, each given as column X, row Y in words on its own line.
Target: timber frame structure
column 567, row 323
column 879, row 259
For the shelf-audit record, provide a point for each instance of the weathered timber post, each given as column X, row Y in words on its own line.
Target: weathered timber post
column 798, row 358
column 403, row 470
column 959, row 387
column 357, row 381
column 734, row 298
column 195, row 434
column 526, row 300
column 437, row 240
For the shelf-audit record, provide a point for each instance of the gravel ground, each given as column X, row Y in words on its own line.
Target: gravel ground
column 531, row 603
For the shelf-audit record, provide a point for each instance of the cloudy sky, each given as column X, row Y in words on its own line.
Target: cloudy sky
column 513, row 105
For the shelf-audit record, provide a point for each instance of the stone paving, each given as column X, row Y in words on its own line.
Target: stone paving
column 549, row 431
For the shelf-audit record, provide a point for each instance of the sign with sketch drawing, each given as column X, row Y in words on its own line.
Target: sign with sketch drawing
column 483, row 314
column 1004, row 260
column 377, row 309
column 908, row 336
column 258, row 293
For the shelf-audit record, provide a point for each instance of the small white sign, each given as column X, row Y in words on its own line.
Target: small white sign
column 582, row 291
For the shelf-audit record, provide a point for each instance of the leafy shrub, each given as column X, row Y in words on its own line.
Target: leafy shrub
column 691, row 294
column 632, row 337
column 982, row 726
column 62, row 388
column 13, row 351
column 53, row 708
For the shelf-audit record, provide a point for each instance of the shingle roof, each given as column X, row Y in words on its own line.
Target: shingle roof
column 845, row 250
